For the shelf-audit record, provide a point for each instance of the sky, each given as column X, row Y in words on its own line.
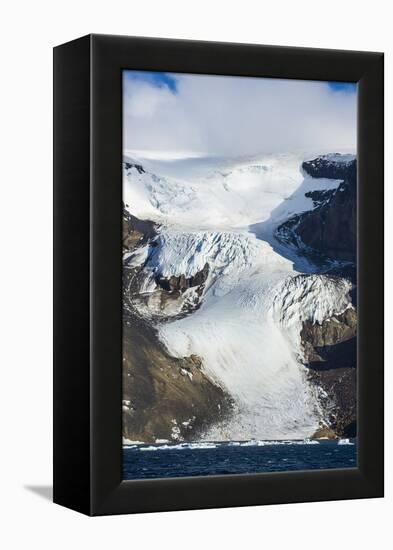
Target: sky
column 196, row 115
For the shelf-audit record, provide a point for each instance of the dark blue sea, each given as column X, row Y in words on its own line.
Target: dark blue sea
column 201, row 459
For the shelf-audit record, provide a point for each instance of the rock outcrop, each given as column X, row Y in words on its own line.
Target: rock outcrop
column 136, row 232
column 335, row 166
column 182, row 283
column 329, row 230
column 330, row 353
column 138, row 167
column 318, row 339
column 165, row 397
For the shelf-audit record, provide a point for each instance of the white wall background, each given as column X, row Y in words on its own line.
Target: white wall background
column 29, row 30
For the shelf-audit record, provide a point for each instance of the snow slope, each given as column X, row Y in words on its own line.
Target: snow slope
column 218, row 194
column 247, row 329
column 251, row 346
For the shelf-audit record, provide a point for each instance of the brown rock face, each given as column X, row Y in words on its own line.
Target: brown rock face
column 165, row 397
column 136, row 232
column 325, row 433
column 330, row 349
column 319, row 340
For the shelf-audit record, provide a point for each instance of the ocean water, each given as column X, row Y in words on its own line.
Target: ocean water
column 143, row 461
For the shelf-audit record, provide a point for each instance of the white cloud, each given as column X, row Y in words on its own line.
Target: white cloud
column 145, row 100
column 232, row 116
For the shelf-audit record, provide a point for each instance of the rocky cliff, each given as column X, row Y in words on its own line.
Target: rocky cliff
column 327, row 233
column 136, row 232
column 328, row 230
column 330, row 354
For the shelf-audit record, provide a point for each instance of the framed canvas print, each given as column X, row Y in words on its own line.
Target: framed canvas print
column 218, row 275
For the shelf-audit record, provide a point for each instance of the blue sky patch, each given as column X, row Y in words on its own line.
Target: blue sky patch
column 349, row 87
column 167, row 80
column 160, row 80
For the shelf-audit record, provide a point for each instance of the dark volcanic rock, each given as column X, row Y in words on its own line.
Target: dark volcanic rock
column 319, row 197
column 138, row 167
column 339, row 355
column 182, row 283
column 329, row 229
column 325, row 167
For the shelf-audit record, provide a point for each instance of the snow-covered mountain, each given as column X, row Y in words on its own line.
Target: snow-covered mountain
column 217, row 284
column 217, row 193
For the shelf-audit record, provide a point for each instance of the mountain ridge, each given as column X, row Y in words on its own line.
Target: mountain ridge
column 225, row 317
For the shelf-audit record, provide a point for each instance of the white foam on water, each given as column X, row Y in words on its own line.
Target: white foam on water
column 217, row 444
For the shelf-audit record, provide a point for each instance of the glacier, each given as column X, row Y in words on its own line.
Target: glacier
column 246, row 328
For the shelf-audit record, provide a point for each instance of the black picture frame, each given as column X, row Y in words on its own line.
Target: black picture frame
column 87, row 274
